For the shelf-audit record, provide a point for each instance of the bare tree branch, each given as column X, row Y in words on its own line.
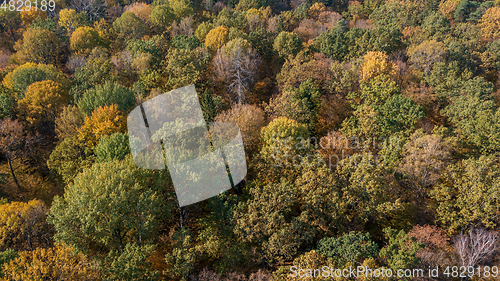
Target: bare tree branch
column 476, row 247
column 237, row 67
column 93, row 8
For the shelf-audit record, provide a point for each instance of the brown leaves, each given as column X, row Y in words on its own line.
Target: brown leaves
column 249, row 118
column 11, row 135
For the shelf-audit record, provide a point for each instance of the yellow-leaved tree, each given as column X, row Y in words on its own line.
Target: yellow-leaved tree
column 448, row 7
column 83, row 40
column 43, row 102
column 57, row 263
column 70, row 20
column 375, row 64
column 31, row 14
column 316, row 9
column 105, row 120
column 217, row 37
column 490, row 23
column 23, row 226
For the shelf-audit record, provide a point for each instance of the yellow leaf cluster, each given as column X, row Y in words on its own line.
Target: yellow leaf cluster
column 490, row 23
column 104, row 121
column 29, row 15
column 448, row 7
column 103, row 28
column 375, row 64
column 14, row 218
column 7, row 81
column 83, row 40
column 253, row 13
column 43, row 101
column 217, row 37
column 316, row 9
column 69, row 20
column 56, row 263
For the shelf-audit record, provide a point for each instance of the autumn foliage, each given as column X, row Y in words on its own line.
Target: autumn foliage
column 370, row 129
column 103, row 121
column 217, row 37
column 43, row 101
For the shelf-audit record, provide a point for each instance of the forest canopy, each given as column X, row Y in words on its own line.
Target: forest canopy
column 371, row 131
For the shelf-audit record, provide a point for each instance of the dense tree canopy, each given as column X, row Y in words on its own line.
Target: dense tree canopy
column 105, row 120
column 489, row 23
column 184, row 67
column 370, row 129
column 350, row 247
column 43, row 101
column 41, row 45
column 100, row 210
column 107, row 94
column 70, row 20
column 217, row 37
column 56, row 263
column 129, row 26
column 29, row 73
column 24, row 226
column 83, row 40
column 112, row 147
column 287, row 44
column 463, row 198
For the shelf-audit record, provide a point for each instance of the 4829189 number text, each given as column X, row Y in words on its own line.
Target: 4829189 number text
column 26, row 5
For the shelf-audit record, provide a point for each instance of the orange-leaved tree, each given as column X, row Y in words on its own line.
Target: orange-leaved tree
column 105, row 120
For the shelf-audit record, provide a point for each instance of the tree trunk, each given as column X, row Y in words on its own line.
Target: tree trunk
column 12, row 34
column 13, row 174
column 182, row 216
